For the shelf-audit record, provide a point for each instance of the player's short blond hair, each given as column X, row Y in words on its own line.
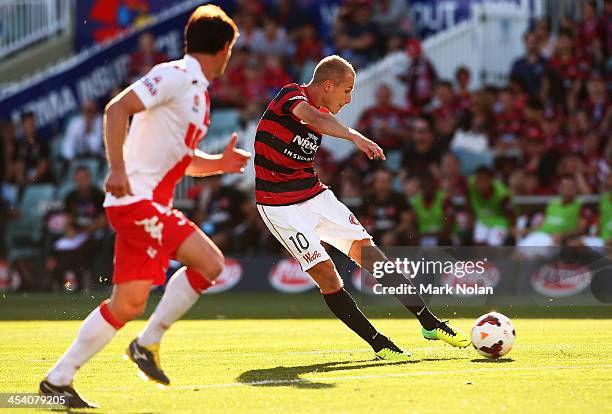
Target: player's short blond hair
column 333, row 68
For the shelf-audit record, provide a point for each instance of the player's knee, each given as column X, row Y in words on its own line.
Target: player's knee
column 128, row 310
column 326, row 276
column 212, row 267
column 355, row 251
column 216, row 267
column 331, row 284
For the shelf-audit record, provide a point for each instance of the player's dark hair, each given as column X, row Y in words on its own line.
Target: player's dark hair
column 446, row 83
column 27, row 115
column 566, row 33
column 333, row 68
column 460, row 70
column 567, row 177
column 208, row 30
column 484, row 170
column 82, row 168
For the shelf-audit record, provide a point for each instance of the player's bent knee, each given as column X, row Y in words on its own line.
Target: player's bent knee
column 127, row 311
column 326, row 277
column 355, row 250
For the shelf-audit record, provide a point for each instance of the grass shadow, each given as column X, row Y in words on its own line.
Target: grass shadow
column 291, row 376
column 492, row 361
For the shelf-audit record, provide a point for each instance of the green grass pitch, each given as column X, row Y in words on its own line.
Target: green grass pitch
column 282, row 353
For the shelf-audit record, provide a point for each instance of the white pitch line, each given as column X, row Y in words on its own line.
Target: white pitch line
column 362, row 377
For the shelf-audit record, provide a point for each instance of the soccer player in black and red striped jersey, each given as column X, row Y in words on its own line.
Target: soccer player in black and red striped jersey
column 301, row 211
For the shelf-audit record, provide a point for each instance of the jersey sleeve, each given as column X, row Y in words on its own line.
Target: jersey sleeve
column 161, row 84
column 288, row 98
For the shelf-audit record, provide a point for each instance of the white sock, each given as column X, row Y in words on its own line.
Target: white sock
column 178, row 298
column 94, row 334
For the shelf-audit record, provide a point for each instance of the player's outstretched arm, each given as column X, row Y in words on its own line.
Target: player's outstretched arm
column 327, row 124
column 232, row 160
column 116, row 115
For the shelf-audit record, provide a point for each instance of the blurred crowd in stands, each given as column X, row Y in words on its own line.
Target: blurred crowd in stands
column 458, row 158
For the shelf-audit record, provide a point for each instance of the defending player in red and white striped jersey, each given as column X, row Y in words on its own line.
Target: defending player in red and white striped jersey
column 171, row 108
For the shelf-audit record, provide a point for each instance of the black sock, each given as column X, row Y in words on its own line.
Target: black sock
column 344, row 307
column 414, row 303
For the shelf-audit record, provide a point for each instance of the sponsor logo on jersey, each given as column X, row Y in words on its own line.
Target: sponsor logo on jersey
column 354, row 220
column 307, row 144
column 296, row 97
column 231, row 275
column 287, row 276
column 150, row 86
column 153, row 227
column 311, row 257
column 489, row 278
column 559, row 280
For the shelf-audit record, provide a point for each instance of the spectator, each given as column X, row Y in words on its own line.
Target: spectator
column 351, row 191
column 250, row 34
column 420, row 78
column 83, row 137
column 7, row 196
column 252, row 237
column 446, row 112
column 573, row 165
column 434, row 213
column 254, row 93
column 491, row 207
column 219, row 209
column 605, row 213
column 590, row 33
column 546, row 40
column 424, row 154
column 273, row 41
column 384, row 123
column 8, row 145
column 565, row 218
column 606, row 25
column 598, row 103
column 356, row 36
column 391, row 17
column 291, row 15
column 309, row 48
column 388, row 216
column 85, row 218
column 463, row 77
column 530, row 68
column 570, row 67
column 146, row 57
column 509, row 121
column 32, row 154
column 275, row 75
column 451, row 179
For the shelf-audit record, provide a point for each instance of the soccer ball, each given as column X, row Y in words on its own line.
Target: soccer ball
column 493, row 335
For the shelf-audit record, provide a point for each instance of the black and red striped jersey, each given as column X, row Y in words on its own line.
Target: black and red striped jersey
column 285, row 149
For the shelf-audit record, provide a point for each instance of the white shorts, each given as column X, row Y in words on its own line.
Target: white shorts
column 301, row 227
column 536, row 244
column 492, row 236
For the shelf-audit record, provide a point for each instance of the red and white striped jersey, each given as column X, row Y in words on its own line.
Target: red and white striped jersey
column 161, row 140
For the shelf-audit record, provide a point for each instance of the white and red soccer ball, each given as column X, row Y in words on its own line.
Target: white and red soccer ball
column 493, row 335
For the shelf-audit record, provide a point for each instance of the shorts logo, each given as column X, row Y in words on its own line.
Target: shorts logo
column 354, row 220
column 151, row 252
column 311, row 257
column 153, row 227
